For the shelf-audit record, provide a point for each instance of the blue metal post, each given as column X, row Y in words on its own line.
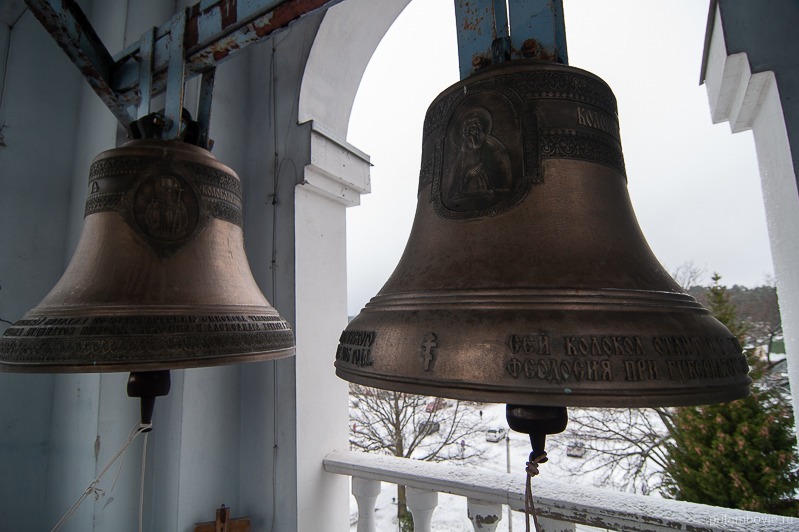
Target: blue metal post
column 541, row 21
column 211, row 32
column 204, row 108
column 64, row 20
column 476, row 32
column 146, row 44
column 537, row 31
column 175, row 77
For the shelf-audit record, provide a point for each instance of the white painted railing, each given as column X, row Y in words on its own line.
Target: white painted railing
column 558, row 505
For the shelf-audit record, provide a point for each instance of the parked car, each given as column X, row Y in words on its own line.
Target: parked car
column 575, row 449
column 429, row 427
column 435, row 405
column 496, row 434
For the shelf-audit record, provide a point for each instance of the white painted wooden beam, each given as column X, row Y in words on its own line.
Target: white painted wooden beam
column 556, row 500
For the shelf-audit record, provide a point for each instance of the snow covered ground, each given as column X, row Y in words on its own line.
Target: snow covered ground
column 450, row 515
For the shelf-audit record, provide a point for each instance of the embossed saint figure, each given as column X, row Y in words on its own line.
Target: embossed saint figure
column 166, row 215
column 482, row 166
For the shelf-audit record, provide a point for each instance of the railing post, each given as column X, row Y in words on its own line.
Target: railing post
column 421, row 503
column 366, row 492
column 485, row 516
column 553, row 525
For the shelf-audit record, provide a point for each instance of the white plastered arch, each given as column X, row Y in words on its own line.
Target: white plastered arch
column 344, row 44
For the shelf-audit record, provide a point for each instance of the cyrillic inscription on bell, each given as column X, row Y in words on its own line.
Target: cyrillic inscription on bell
column 527, row 261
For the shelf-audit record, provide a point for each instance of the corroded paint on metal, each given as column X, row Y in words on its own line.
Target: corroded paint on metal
column 176, row 79
column 526, row 24
column 214, row 32
column 474, row 20
column 541, row 21
column 212, row 37
column 71, row 30
column 146, row 72
column 204, row 108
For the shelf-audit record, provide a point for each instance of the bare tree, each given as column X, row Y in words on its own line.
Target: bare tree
column 412, row 426
column 688, row 275
column 622, row 446
column 629, row 449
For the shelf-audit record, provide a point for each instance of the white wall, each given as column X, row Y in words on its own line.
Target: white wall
column 750, row 99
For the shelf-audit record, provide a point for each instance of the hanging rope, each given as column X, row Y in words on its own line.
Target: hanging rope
column 92, row 488
column 141, row 481
column 529, row 505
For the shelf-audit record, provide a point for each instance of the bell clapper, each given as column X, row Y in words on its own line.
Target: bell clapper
column 147, row 385
column 537, row 422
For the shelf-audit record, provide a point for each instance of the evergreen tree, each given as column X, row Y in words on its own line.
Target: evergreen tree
column 740, row 454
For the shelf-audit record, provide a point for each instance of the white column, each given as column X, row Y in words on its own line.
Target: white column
column 752, row 101
column 421, row 503
column 366, row 492
column 336, row 177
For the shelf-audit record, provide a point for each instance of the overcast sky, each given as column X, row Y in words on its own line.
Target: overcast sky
column 694, row 185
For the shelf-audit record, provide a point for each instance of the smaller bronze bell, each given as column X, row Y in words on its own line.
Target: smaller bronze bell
column 159, row 279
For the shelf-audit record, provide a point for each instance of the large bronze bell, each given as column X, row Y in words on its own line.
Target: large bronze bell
column 526, row 279
column 159, row 279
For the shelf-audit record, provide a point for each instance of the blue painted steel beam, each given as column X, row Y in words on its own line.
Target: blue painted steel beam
column 542, row 21
column 215, row 30
column 537, row 31
column 476, row 30
column 70, row 28
column 175, row 77
column 204, row 107
column 146, row 71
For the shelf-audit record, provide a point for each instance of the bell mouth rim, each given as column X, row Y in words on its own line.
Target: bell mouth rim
column 531, row 298
column 633, row 397
column 145, row 311
column 126, row 366
column 168, row 337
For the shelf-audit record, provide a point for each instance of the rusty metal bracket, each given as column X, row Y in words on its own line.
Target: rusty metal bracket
column 494, row 31
column 146, row 43
column 175, row 77
column 538, row 22
column 70, row 28
column 207, row 34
